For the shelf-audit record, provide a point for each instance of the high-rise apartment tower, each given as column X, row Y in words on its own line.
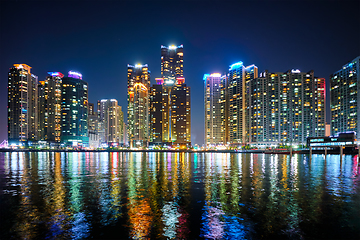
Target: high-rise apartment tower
column 170, row 102
column 74, row 110
column 138, row 105
column 172, row 62
column 345, row 98
column 236, row 88
column 214, row 133
column 49, row 105
column 22, row 105
column 286, row 107
column 112, row 119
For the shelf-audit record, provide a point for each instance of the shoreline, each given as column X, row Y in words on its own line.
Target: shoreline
column 268, row 151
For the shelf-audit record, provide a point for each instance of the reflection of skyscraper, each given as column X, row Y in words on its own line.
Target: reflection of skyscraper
column 140, row 214
column 213, row 131
column 138, row 105
column 170, row 101
column 22, row 104
column 74, row 110
column 49, row 124
column 345, row 98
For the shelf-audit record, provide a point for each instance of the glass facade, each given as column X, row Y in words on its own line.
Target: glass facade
column 74, row 111
column 345, row 97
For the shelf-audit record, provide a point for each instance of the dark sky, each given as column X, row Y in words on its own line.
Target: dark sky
column 99, row 39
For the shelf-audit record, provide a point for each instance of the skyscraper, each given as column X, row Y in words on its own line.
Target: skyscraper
column 180, row 114
column 138, row 105
column 258, row 110
column 237, row 91
column 74, row 110
column 170, row 102
column 214, row 134
column 251, row 73
column 224, row 106
column 345, row 98
column 49, row 124
column 112, row 119
column 22, row 104
column 286, row 107
column 156, row 112
column 172, row 62
column 91, row 109
column 94, row 127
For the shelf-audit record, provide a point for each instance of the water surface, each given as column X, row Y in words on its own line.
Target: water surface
column 178, row 196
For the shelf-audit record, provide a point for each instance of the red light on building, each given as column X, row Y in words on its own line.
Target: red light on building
column 180, row 80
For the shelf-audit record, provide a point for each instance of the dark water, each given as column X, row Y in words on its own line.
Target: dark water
column 178, row 196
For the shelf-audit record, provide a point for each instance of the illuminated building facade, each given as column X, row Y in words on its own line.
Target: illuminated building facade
column 138, row 105
column 224, row 112
column 180, row 114
column 112, row 119
column 94, row 127
column 101, row 127
column 170, row 119
column 273, row 108
column 345, row 98
column 239, row 78
column 170, row 113
column 251, row 73
column 74, row 110
column 172, row 62
column 319, row 107
column 22, row 104
column 257, row 110
column 49, row 105
column 214, row 133
column 91, row 109
column 156, row 113
column 286, row 107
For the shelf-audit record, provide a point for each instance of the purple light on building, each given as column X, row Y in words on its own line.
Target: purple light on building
column 73, row 74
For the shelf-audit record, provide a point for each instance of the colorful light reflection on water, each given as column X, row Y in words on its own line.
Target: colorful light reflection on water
column 178, row 196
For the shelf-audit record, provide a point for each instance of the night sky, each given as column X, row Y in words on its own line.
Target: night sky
column 99, row 39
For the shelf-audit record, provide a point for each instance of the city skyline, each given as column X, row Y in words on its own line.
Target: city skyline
column 76, row 47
